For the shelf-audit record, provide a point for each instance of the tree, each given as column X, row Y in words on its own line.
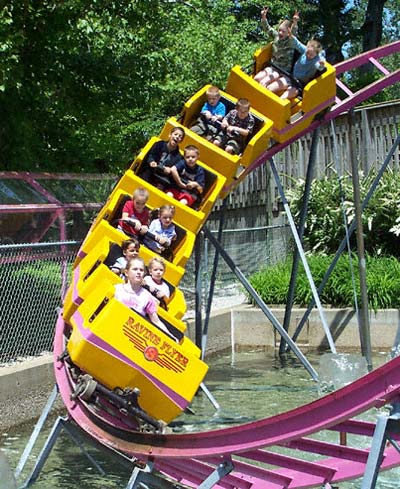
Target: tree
column 372, row 28
column 85, row 84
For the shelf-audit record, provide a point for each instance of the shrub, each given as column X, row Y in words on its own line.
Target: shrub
column 325, row 228
column 29, row 297
column 383, row 282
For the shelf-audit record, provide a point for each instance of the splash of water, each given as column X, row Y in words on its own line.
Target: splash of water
column 339, row 369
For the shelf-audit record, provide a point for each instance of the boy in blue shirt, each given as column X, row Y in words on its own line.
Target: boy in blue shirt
column 311, row 60
column 211, row 115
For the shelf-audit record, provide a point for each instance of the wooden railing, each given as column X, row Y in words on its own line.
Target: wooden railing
column 256, row 198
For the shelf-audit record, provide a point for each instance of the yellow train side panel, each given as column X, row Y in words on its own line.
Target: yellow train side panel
column 176, row 304
column 121, row 349
column 81, row 286
column 261, row 57
column 260, row 98
column 321, row 91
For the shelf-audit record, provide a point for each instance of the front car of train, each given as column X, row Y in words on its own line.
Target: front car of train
column 289, row 117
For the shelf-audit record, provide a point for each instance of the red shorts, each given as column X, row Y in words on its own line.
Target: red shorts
column 180, row 194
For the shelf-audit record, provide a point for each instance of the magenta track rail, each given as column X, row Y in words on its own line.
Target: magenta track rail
column 190, row 458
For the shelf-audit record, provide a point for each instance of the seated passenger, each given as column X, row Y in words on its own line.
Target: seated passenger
column 189, row 178
column 135, row 215
column 235, row 127
column 162, row 155
column 283, row 47
column 163, row 230
column 311, row 60
column 130, row 249
column 132, row 294
column 211, row 115
column 154, row 280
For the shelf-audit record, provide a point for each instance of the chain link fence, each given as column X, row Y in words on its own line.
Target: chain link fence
column 35, row 277
column 250, row 248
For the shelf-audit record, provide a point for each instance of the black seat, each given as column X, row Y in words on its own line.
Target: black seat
column 113, row 255
column 117, row 214
column 210, row 179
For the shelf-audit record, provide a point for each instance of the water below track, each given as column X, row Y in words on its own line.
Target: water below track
column 248, row 386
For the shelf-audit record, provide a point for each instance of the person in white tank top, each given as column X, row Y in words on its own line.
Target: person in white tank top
column 132, row 294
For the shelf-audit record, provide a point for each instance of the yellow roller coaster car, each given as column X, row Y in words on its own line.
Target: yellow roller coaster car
column 289, row 116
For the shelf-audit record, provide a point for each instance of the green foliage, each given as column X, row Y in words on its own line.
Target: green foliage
column 383, row 282
column 85, row 84
column 325, row 222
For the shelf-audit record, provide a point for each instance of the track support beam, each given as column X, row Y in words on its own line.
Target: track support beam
column 261, row 304
column 143, row 478
column 36, row 431
column 219, row 473
column 385, row 426
column 59, row 424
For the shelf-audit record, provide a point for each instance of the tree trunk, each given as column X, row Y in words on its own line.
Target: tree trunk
column 371, row 30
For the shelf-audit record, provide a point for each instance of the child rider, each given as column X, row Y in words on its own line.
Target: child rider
column 163, row 230
column 132, row 294
column 189, row 178
column 235, row 128
column 311, row 60
column 283, row 47
column 211, row 115
column 135, row 215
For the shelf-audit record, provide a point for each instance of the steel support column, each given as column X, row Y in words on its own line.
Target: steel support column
column 300, row 231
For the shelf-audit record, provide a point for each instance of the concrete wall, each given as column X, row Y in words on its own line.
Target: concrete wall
column 246, row 326
column 24, row 390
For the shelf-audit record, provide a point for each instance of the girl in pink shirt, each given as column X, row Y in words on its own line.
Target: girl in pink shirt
column 133, row 295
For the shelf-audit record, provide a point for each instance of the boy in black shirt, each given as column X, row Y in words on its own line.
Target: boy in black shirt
column 189, row 178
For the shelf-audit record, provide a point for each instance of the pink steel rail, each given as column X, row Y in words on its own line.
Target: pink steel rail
column 191, row 458
column 55, row 208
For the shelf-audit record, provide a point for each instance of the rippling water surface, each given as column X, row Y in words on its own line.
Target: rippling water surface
column 248, row 386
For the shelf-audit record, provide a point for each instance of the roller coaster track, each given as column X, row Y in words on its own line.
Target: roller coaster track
column 190, row 459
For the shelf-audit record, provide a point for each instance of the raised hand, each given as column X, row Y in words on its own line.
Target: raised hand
column 264, row 12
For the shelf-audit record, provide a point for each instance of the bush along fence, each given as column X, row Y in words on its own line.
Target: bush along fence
column 33, row 279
